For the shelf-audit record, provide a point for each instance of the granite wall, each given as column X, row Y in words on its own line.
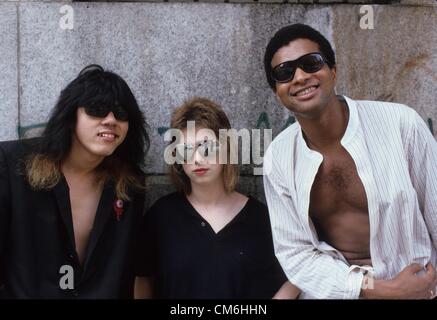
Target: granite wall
column 168, row 52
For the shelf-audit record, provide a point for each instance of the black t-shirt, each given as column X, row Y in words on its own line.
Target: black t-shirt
column 188, row 260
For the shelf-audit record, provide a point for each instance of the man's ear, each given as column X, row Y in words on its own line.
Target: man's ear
column 334, row 72
column 277, row 96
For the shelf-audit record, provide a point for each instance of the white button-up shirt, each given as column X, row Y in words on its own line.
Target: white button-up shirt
column 396, row 159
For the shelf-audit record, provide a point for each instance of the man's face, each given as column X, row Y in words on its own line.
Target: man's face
column 307, row 94
column 99, row 137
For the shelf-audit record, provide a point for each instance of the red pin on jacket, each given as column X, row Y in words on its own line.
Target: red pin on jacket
column 118, row 208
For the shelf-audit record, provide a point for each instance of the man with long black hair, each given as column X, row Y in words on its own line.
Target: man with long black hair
column 70, row 199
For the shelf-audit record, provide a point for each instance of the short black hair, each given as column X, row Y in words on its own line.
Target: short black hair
column 290, row 33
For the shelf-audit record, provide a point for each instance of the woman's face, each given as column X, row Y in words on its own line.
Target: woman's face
column 202, row 157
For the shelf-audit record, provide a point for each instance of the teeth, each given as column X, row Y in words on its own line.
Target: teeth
column 107, row 135
column 306, row 91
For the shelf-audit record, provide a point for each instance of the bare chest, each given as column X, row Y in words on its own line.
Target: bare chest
column 84, row 202
column 338, row 207
column 337, row 185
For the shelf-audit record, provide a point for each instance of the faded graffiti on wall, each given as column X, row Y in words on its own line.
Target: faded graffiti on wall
column 263, row 122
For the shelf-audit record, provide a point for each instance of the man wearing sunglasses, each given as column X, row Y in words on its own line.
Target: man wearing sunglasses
column 351, row 186
column 70, row 200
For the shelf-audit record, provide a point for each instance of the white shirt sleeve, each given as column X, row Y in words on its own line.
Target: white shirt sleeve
column 318, row 274
column 422, row 155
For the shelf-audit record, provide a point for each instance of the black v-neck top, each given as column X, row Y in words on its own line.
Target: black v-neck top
column 37, row 238
column 188, row 260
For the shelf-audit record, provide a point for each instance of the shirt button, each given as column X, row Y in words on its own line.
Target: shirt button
column 75, row 293
column 203, row 223
column 71, row 256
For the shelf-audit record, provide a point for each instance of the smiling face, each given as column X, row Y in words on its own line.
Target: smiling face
column 98, row 137
column 202, row 170
column 307, row 94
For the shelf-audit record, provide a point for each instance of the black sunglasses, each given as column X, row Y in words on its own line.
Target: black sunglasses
column 310, row 63
column 101, row 112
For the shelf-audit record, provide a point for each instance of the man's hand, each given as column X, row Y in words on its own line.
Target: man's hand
column 410, row 283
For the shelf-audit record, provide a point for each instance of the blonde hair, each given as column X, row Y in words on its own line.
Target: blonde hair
column 44, row 173
column 209, row 115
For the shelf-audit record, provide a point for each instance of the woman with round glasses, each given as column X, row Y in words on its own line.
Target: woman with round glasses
column 207, row 240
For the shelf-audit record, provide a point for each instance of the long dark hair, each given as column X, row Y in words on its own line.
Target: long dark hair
column 93, row 87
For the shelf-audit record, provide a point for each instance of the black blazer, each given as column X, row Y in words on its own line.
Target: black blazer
column 37, row 238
